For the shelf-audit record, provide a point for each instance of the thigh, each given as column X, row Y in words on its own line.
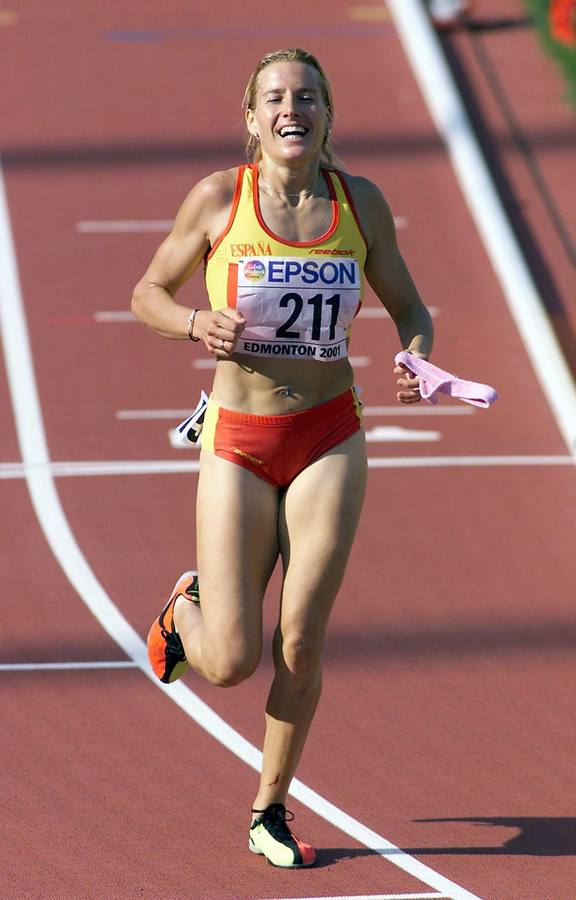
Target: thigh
column 318, row 519
column 237, row 547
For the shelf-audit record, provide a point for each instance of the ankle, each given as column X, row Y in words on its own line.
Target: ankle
column 184, row 607
column 260, row 807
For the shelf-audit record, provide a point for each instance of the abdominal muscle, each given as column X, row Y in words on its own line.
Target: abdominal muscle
column 273, row 388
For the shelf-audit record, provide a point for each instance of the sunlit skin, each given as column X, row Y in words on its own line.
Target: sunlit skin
column 289, row 101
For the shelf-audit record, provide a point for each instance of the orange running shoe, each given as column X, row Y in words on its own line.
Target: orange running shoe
column 165, row 649
column 271, row 837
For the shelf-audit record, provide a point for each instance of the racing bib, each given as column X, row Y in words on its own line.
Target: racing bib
column 295, row 307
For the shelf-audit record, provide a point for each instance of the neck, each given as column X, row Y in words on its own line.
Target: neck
column 289, row 184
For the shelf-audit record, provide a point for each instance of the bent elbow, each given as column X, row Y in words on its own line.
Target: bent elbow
column 137, row 302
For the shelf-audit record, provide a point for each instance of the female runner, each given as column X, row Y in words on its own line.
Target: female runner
column 287, row 242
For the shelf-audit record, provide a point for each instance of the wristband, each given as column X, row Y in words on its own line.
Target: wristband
column 190, row 326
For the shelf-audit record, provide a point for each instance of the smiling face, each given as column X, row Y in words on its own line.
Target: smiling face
column 290, row 116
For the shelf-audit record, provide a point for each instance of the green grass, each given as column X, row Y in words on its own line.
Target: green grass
column 565, row 57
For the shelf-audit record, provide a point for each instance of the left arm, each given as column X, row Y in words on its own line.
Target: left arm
column 388, row 275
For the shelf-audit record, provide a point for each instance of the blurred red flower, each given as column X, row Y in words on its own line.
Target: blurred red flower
column 562, row 17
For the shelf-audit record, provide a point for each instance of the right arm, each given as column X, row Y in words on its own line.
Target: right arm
column 201, row 218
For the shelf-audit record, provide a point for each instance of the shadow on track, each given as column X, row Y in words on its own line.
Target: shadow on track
column 497, row 23
column 329, row 856
column 387, row 144
column 396, row 645
column 538, row 836
column 74, row 156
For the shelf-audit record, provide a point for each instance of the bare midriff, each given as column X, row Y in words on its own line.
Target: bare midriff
column 274, row 388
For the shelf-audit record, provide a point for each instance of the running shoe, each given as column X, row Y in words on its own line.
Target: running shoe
column 165, row 649
column 271, row 837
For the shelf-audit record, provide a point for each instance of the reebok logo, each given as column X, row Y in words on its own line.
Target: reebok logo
column 332, row 252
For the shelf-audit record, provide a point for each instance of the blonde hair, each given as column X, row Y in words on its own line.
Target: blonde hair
column 291, row 54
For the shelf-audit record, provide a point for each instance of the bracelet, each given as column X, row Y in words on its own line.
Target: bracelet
column 190, row 326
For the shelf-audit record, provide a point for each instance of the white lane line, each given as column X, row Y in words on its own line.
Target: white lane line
column 114, row 315
column 421, row 45
column 130, row 415
column 389, row 433
column 65, row 666
column 108, row 316
column 160, row 226
column 96, row 468
column 381, row 434
column 435, row 462
column 375, row 897
column 205, row 362
column 61, row 539
column 134, row 415
column 124, row 226
column 89, row 469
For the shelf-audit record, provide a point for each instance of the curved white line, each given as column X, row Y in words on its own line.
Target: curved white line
column 57, row 531
column 65, row 666
column 418, row 896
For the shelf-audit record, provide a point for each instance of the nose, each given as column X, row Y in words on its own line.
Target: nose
column 288, row 105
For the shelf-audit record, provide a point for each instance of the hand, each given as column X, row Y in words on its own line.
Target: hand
column 409, row 383
column 220, row 330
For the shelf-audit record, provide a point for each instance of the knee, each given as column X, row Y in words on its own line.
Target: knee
column 229, row 672
column 301, row 655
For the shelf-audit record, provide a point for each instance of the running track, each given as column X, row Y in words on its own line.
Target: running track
column 446, row 724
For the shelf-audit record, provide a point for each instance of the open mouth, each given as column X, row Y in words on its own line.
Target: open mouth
column 292, row 132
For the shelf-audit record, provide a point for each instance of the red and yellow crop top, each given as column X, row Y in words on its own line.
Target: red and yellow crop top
column 298, row 298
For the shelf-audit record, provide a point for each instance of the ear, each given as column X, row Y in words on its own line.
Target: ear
column 251, row 123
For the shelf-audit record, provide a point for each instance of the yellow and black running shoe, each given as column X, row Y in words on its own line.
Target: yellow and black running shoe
column 165, row 650
column 271, row 837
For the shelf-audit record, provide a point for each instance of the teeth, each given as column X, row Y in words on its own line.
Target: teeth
column 290, row 130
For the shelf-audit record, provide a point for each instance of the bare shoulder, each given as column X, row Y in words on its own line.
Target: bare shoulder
column 367, row 196
column 371, row 205
column 217, row 188
column 208, row 201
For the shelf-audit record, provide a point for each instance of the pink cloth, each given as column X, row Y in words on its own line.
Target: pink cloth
column 434, row 381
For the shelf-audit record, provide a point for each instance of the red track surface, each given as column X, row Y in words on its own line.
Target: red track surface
column 447, row 718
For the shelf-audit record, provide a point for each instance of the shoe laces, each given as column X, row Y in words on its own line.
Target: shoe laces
column 275, row 818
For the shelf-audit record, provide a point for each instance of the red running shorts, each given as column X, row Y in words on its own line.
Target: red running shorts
column 278, row 448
